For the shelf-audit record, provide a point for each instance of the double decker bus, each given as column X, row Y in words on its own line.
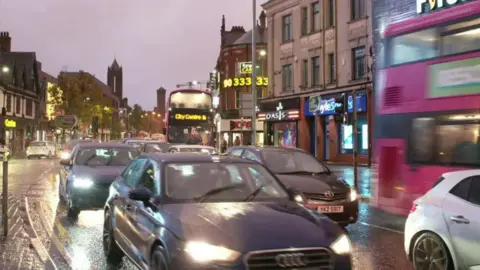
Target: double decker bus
column 427, row 103
column 190, row 117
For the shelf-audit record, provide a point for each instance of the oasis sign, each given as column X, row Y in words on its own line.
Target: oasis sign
column 430, row 5
column 244, row 81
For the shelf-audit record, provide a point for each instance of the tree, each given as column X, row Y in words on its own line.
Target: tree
column 135, row 118
column 76, row 94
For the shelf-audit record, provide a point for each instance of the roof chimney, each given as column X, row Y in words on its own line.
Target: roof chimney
column 5, row 42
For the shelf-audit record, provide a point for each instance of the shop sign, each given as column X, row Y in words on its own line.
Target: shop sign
column 239, row 124
column 244, row 81
column 424, row 6
column 245, row 67
column 10, row 123
column 327, row 106
column 197, row 117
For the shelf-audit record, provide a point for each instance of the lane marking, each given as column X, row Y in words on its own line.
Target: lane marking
column 380, row 227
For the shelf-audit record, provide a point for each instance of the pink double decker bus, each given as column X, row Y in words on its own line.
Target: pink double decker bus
column 427, row 103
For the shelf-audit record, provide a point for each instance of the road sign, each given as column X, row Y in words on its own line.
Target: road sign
column 66, row 121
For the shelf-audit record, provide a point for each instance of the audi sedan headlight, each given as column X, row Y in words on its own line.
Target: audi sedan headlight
column 203, row 252
column 82, row 183
column 342, row 245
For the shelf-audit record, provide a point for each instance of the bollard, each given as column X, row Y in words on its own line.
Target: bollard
column 5, row 196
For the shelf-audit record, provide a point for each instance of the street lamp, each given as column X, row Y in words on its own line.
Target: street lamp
column 263, row 53
column 5, row 69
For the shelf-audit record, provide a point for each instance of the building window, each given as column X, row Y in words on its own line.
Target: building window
column 316, row 71
column 18, row 105
column 331, row 13
column 9, row 103
column 305, row 73
column 359, row 63
column 238, row 96
column 304, row 21
column 29, row 107
column 287, row 77
column 287, row 28
column 358, row 9
column 315, row 17
column 331, row 68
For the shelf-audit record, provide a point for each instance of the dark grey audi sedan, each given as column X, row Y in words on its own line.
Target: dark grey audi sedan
column 190, row 211
column 319, row 188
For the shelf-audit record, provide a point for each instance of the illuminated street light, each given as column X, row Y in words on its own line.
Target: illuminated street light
column 194, row 83
column 263, row 53
column 5, row 69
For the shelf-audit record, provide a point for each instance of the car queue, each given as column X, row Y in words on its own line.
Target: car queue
column 210, row 211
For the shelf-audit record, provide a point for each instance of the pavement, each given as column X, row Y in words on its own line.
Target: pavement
column 49, row 240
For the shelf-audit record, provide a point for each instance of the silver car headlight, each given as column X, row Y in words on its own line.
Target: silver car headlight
column 203, row 252
column 342, row 245
column 79, row 182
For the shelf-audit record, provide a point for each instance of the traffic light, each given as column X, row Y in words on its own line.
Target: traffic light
column 95, row 124
column 341, row 104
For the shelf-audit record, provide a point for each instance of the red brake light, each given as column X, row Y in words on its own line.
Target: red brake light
column 414, row 207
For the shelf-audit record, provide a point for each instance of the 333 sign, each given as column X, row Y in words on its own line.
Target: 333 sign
column 244, row 81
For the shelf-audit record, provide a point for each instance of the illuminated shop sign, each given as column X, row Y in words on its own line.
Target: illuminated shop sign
column 424, row 6
column 198, row 117
column 317, row 105
column 245, row 67
column 10, row 123
column 244, row 81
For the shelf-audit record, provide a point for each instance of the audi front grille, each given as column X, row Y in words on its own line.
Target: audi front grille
column 324, row 197
column 304, row 258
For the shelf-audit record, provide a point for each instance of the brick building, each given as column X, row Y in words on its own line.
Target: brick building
column 235, row 67
column 318, row 51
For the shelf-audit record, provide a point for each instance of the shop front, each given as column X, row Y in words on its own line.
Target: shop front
column 239, row 132
column 281, row 125
column 16, row 132
column 332, row 134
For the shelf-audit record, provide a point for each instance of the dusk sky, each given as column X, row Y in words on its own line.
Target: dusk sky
column 158, row 42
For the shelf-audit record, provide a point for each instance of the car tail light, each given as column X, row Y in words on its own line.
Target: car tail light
column 414, row 207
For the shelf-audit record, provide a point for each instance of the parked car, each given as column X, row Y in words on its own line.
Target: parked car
column 39, row 149
column 195, row 211
column 189, row 148
column 86, row 176
column 319, row 187
column 443, row 227
column 155, row 147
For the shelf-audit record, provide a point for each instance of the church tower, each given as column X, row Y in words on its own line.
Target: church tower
column 115, row 79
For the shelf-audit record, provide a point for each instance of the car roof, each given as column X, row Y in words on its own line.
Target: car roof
column 192, row 146
column 194, row 158
column 106, row 145
column 267, row 147
column 461, row 174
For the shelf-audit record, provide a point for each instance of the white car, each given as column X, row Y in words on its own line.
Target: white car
column 189, row 148
column 41, row 149
column 443, row 227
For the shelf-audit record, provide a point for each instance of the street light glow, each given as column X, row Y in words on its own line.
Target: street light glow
column 5, row 69
column 263, row 53
column 194, row 83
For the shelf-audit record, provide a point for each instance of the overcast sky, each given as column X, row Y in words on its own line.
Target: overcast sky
column 158, row 42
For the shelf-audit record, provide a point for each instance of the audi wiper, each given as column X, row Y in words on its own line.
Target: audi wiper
column 256, row 192
column 216, row 191
column 304, row 172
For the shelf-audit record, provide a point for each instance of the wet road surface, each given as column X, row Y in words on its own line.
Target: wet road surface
column 377, row 237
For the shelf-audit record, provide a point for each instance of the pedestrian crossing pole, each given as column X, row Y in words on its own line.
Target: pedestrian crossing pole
column 355, row 139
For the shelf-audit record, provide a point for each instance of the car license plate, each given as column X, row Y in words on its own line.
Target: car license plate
column 330, row 209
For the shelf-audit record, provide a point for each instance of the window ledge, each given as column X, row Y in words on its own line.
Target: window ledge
column 358, row 80
column 359, row 19
column 286, row 42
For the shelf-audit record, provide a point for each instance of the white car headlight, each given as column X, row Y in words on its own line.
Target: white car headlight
column 353, row 195
column 82, row 182
column 203, row 252
column 342, row 245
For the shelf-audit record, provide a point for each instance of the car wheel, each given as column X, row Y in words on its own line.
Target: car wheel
column 430, row 252
column 158, row 260
column 110, row 248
